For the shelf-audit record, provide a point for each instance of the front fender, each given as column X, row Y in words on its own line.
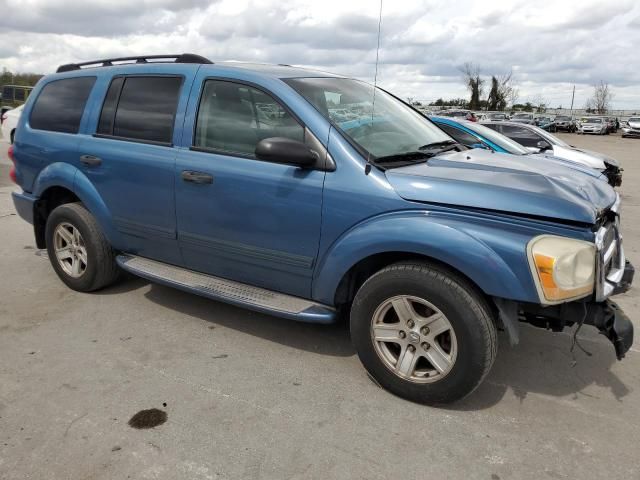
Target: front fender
column 493, row 257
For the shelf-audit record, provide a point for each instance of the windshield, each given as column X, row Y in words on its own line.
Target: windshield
column 392, row 129
column 497, row 138
column 521, row 115
column 563, row 119
column 634, row 119
column 496, row 116
column 593, row 120
column 548, row 137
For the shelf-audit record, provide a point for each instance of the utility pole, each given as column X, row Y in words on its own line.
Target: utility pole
column 573, row 95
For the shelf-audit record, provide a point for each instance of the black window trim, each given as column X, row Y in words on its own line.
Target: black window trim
column 137, row 140
column 230, row 153
column 84, row 107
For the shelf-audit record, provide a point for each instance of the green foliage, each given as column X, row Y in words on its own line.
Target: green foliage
column 9, row 78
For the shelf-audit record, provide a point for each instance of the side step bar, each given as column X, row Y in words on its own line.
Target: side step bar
column 240, row 294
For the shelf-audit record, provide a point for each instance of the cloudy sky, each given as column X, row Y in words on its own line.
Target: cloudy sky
column 549, row 45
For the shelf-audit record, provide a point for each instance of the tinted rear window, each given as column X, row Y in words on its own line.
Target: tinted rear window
column 145, row 110
column 60, row 104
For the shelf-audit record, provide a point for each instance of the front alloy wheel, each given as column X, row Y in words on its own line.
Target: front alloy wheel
column 423, row 332
column 414, row 339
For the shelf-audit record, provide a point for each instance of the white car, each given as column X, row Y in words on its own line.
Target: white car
column 9, row 122
column 595, row 125
column 537, row 140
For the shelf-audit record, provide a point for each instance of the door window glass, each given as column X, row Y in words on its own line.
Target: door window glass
column 145, row 110
column 521, row 135
column 233, row 117
column 459, row 136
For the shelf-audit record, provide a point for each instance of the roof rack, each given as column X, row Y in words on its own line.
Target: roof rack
column 109, row 62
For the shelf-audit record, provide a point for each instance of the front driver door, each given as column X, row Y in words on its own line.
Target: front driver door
column 238, row 217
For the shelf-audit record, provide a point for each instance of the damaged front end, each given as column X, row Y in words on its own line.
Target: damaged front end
column 613, row 275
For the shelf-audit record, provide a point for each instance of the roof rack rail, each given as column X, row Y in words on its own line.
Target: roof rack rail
column 108, row 62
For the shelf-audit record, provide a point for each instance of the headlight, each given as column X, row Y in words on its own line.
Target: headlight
column 563, row 268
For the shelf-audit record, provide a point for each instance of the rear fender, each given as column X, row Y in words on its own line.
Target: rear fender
column 61, row 174
column 450, row 241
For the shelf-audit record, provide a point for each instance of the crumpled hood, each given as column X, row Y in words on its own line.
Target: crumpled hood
column 634, row 124
column 509, row 183
column 586, row 157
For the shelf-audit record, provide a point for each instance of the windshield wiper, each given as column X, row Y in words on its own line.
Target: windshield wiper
column 405, row 158
column 443, row 146
column 437, row 144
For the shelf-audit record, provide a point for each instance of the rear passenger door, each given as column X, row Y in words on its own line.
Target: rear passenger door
column 241, row 218
column 130, row 158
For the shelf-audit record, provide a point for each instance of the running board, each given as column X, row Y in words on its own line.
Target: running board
column 240, row 294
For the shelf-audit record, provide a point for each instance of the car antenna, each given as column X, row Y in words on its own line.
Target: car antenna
column 367, row 168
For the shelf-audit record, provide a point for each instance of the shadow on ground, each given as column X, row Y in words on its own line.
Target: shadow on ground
column 332, row 340
column 541, row 364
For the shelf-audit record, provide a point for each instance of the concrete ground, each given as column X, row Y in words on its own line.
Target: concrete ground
column 254, row 397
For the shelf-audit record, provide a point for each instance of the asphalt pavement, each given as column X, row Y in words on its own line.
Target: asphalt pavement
column 240, row 395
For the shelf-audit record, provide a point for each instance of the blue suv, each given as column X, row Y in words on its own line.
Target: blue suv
column 313, row 196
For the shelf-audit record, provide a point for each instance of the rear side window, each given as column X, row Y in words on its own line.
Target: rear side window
column 458, row 135
column 233, row 117
column 141, row 108
column 60, row 105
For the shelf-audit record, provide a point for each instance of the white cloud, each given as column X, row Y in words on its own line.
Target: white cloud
column 550, row 45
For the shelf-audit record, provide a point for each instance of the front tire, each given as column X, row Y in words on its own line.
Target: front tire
column 423, row 333
column 78, row 250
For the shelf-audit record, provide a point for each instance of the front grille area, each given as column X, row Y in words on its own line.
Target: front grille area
column 610, row 257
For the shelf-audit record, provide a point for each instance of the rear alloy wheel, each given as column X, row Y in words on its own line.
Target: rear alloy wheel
column 70, row 250
column 78, row 250
column 423, row 332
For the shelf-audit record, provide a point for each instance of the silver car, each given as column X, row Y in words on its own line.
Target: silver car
column 520, row 117
column 631, row 128
column 595, row 125
column 537, row 140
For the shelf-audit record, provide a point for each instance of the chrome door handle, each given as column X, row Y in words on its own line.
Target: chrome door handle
column 90, row 160
column 196, row 177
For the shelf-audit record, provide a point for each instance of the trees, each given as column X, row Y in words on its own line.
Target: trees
column 601, row 99
column 9, row 78
column 502, row 92
column 474, row 83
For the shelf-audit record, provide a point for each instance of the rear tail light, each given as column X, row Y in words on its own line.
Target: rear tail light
column 12, row 171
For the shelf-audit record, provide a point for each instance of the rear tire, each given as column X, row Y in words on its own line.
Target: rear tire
column 404, row 352
column 78, row 250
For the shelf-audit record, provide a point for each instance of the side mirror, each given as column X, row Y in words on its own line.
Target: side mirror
column 543, row 145
column 286, row 150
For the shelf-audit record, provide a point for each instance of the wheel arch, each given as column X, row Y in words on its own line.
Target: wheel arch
column 61, row 183
column 373, row 245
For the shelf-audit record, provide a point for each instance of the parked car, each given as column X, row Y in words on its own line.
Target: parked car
column 8, row 123
column 631, row 128
column 165, row 170
column 496, row 117
column 466, row 114
column 537, row 140
column 475, row 135
column 565, row 123
column 597, row 125
column 522, row 117
column 545, row 123
column 15, row 95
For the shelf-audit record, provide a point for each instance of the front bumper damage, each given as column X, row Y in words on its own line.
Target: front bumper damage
column 604, row 315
